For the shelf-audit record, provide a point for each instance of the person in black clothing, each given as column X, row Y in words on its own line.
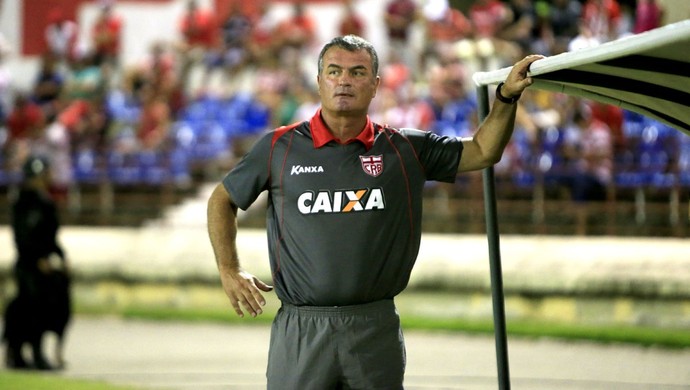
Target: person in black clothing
column 42, row 301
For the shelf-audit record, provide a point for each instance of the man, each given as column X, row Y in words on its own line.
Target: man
column 344, row 217
column 42, row 301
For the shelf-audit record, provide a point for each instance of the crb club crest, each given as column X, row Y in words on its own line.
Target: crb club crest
column 372, row 165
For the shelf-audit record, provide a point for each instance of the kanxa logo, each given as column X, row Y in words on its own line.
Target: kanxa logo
column 299, row 169
column 365, row 199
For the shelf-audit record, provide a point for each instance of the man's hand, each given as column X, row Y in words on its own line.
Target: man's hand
column 517, row 79
column 242, row 288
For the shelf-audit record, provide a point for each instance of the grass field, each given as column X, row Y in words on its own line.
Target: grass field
column 418, row 310
column 32, row 380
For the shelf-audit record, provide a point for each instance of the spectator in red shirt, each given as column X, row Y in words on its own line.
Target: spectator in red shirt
column 26, row 120
column 200, row 33
column 154, row 120
column 351, row 22
column 602, row 18
column 198, row 27
column 25, row 124
column 296, row 34
column 106, row 37
column 298, row 30
column 488, row 18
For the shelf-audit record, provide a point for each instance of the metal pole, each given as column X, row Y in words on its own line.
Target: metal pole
column 494, row 257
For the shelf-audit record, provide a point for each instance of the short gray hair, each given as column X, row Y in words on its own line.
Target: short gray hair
column 352, row 43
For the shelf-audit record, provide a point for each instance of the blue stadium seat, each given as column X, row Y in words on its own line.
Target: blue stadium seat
column 153, row 166
column 683, row 161
column 87, row 167
column 211, row 142
column 122, row 109
column 257, row 117
column 656, row 151
column 179, row 166
column 123, row 168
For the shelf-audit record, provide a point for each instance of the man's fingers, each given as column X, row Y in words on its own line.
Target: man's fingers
column 252, row 302
column 262, row 286
column 244, row 292
column 236, row 305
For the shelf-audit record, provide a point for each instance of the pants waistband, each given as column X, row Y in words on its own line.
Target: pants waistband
column 335, row 311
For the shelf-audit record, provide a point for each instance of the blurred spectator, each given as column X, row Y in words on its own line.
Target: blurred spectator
column 261, row 43
column 561, row 25
column 612, row 116
column 399, row 17
column 158, row 70
column 648, row 15
column 588, row 147
column 26, row 119
column 488, row 17
column 106, row 36
column 271, row 84
column 584, row 39
column 85, row 81
column 48, row 85
column 455, row 109
column 87, row 124
column 62, row 36
column 436, row 95
column 236, row 33
column 602, row 18
column 444, row 27
column 199, row 30
column 5, row 81
column 522, row 25
column 55, row 146
column 295, row 36
column 25, row 124
column 154, row 121
column 351, row 22
column 453, row 113
column 400, row 108
column 307, row 102
column 84, row 114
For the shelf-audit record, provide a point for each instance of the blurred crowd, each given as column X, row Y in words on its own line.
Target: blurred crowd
column 197, row 101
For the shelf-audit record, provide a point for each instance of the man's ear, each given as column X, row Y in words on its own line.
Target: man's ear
column 377, row 83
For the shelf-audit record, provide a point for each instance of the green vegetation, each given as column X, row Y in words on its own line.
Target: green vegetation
column 668, row 338
column 35, row 380
column 646, row 336
column 419, row 310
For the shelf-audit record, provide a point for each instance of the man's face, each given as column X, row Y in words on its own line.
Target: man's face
column 347, row 83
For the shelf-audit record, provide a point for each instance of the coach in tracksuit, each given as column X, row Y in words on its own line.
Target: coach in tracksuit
column 344, row 223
